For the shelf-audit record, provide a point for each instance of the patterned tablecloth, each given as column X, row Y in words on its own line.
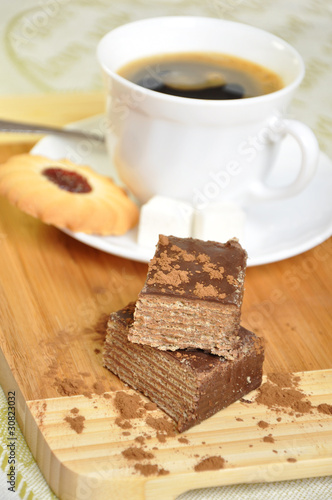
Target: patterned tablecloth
column 49, row 46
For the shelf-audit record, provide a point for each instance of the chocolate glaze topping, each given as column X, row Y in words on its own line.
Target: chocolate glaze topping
column 196, row 269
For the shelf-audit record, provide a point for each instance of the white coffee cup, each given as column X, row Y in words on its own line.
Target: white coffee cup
column 188, row 148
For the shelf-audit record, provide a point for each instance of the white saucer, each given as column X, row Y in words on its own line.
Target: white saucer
column 274, row 231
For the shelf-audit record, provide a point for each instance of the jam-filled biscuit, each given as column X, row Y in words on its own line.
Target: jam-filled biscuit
column 67, row 195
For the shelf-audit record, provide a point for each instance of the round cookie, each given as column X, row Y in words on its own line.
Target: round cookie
column 67, row 195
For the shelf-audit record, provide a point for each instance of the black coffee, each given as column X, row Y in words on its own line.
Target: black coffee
column 202, row 76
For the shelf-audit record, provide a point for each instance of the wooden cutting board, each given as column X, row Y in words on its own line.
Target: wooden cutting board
column 55, row 294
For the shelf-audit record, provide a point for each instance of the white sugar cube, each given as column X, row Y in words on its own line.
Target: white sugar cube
column 219, row 221
column 163, row 215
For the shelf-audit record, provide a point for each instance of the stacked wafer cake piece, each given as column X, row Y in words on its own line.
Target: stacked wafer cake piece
column 181, row 343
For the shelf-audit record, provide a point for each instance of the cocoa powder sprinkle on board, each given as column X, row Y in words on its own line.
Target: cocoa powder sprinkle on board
column 76, row 423
column 124, row 424
column 150, row 406
column 150, row 470
column 210, row 463
column 280, row 391
column 134, row 453
column 69, row 387
column 98, row 388
column 161, row 425
column 268, row 439
column 284, row 379
column 325, row 408
column 128, row 405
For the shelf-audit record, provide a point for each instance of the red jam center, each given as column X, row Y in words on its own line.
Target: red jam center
column 69, row 181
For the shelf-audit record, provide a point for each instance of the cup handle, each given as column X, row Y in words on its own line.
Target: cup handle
column 308, row 143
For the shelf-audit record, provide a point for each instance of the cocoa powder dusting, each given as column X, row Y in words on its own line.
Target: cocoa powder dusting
column 164, row 427
column 212, row 270
column 291, row 460
column 325, row 408
column 165, row 262
column 69, row 387
column 134, row 453
column 205, row 291
column 173, row 278
column 162, row 472
column 124, row 424
column 161, row 437
column 128, row 405
column 231, row 280
column 210, row 463
column 268, row 439
column 163, row 240
column 203, row 257
column 150, row 470
column 98, row 388
column 280, row 391
column 150, row 406
column 188, row 257
column 76, row 423
column 262, row 424
column 284, row 379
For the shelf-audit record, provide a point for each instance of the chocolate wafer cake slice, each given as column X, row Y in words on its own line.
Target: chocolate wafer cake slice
column 192, row 296
column 189, row 386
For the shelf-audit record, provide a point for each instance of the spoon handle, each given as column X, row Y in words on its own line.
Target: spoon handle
column 28, row 128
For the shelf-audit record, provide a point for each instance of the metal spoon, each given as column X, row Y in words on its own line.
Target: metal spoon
column 28, row 128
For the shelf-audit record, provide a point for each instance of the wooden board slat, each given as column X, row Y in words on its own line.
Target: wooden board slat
column 90, row 464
